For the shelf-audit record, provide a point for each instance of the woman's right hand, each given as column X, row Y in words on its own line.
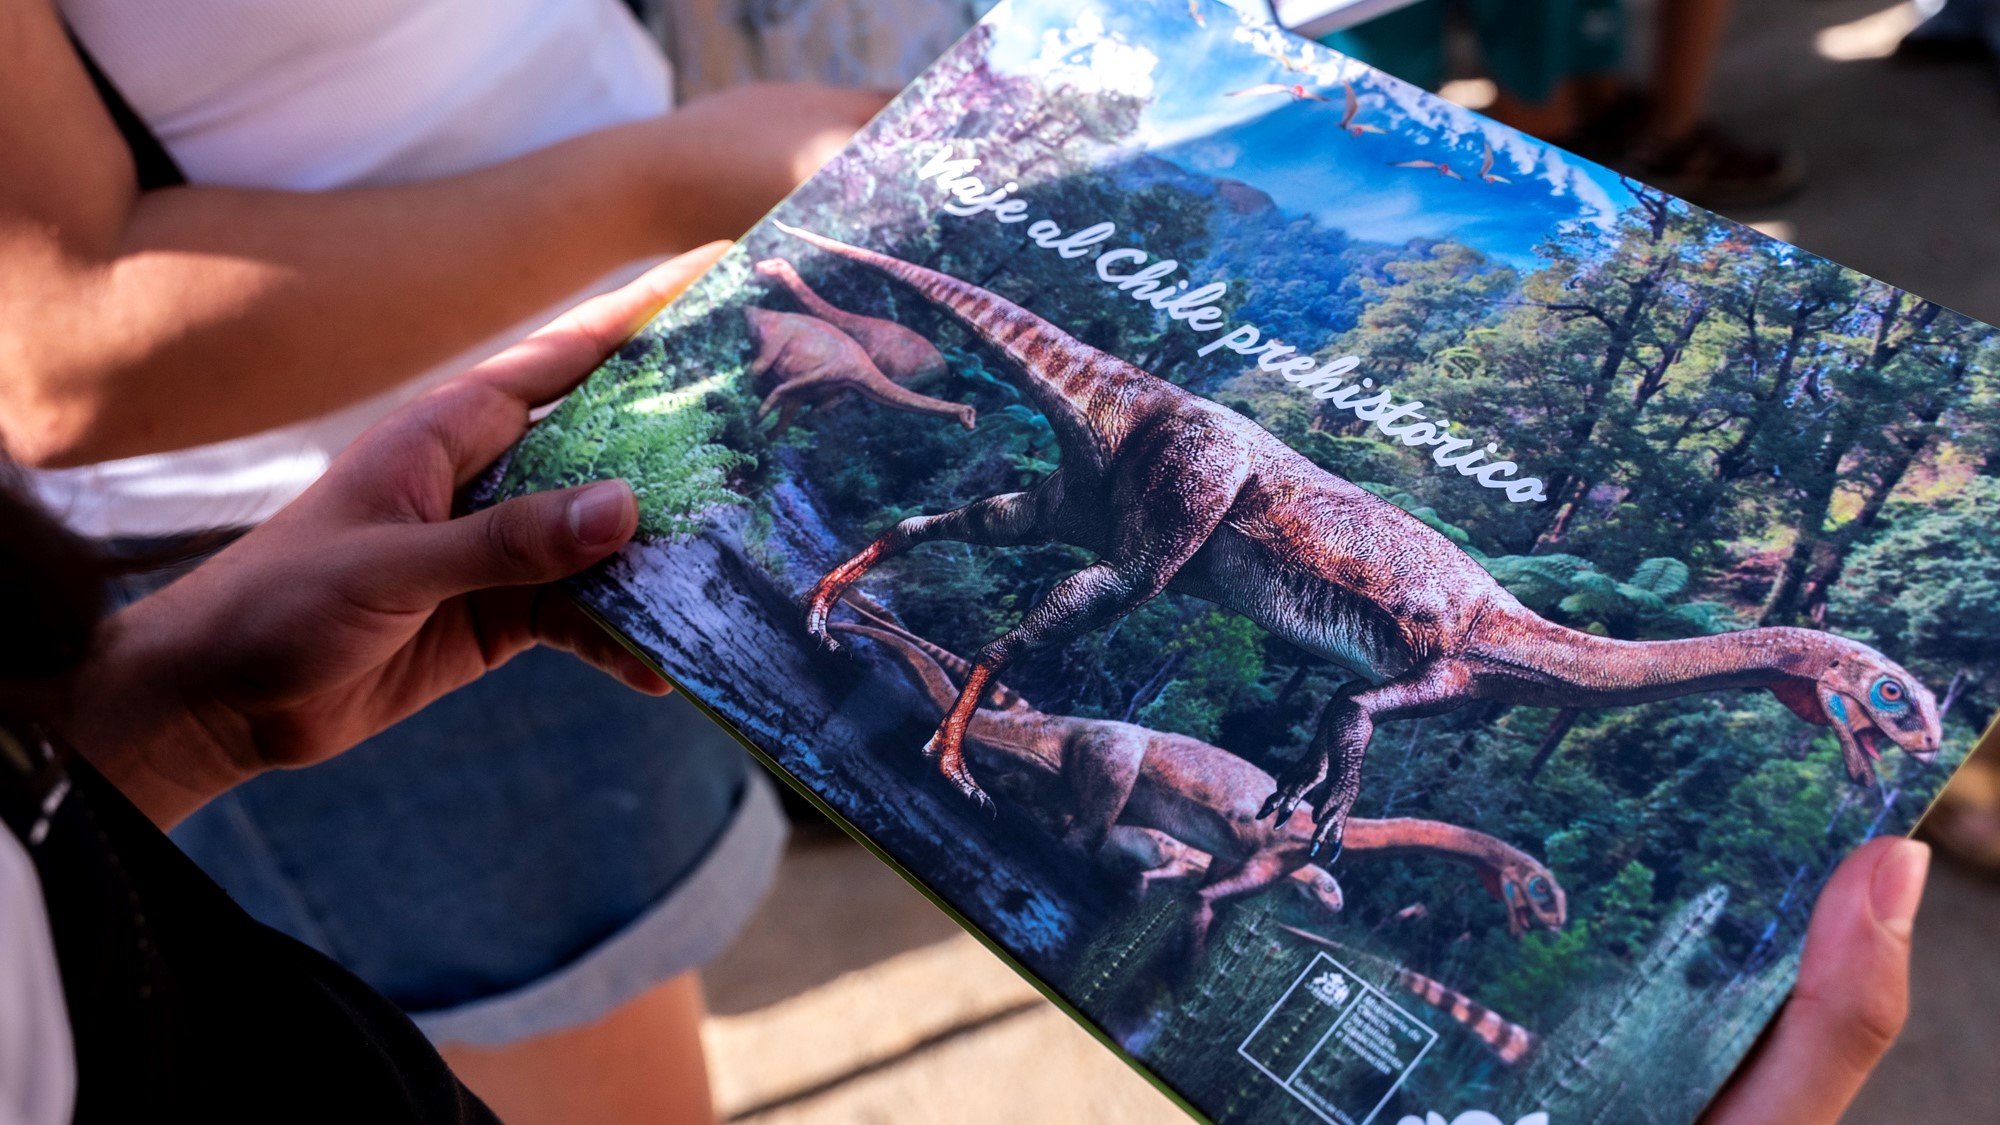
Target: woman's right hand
column 730, row 157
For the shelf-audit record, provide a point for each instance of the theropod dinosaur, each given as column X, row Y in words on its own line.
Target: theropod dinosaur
column 1174, row 491
column 1103, row 774
column 815, row 364
column 898, row 352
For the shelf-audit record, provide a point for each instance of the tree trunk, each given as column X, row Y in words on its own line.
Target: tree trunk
column 1551, row 739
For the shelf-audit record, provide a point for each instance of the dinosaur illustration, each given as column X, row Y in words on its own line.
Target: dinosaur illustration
column 1295, row 91
column 1442, row 169
column 812, row 363
column 1352, row 110
column 1509, row 1041
column 898, row 352
column 1174, row 491
column 1527, row 890
column 1102, row 773
column 1156, row 857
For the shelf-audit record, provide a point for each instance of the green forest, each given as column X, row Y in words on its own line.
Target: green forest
column 1733, row 432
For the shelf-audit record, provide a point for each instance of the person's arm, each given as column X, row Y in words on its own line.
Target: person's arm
column 134, row 323
column 364, row 600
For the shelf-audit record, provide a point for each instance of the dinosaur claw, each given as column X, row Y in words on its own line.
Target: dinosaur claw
column 1279, row 805
column 1329, row 832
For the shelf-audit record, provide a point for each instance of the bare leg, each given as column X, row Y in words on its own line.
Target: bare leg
column 1686, row 34
column 641, row 1064
column 1555, row 118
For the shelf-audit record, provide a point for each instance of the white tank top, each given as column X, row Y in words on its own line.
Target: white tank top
column 286, row 94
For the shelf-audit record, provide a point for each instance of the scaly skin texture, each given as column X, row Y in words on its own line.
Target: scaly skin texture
column 1173, row 491
column 1104, row 775
column 898, row 352
column 814, row 364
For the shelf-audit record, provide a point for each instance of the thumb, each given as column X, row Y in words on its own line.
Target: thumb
column 528, row 540
column 1851, row 997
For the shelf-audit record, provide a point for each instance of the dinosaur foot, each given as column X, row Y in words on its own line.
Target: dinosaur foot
column 1329, row 830
column 1279, row 805
column 819, row 607
column 951, row 764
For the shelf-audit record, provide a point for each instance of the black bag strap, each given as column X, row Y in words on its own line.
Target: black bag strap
column 34, row 780
column 156, row 166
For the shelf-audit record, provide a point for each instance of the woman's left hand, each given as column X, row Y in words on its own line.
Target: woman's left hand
column 364, row 600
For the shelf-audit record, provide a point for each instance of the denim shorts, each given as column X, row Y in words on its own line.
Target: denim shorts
column 522, row 857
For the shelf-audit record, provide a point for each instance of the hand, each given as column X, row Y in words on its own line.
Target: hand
column 1850, row 1000
column 737, row 153
column 364, row 600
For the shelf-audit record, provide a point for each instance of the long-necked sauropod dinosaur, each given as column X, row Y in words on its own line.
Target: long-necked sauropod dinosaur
column 814, row 363
column 1105, row 773
column 899, row 352
column 1171, row 490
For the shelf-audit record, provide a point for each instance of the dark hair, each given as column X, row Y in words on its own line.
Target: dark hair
column 52, row 588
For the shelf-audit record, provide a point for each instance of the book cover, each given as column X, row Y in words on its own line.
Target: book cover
column 1382, row 619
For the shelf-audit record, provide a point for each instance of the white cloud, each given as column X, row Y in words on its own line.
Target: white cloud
column 1216, row 155
column 1090, row 57
column 1514, row 154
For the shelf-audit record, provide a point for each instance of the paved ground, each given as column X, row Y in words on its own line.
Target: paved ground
column 852, row 1000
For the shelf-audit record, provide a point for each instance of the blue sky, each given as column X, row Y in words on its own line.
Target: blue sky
column 1293, row 150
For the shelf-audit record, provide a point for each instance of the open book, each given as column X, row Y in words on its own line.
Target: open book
column 1377, row 616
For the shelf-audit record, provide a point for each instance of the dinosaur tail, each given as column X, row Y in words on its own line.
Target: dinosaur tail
column 1509, row 1041
column 938, row 686
column 788, row 276
column 1000, row 697
column 1038, row 347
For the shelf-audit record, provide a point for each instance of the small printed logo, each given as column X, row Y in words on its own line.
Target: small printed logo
column 1331, row 988
column 1471, row 1117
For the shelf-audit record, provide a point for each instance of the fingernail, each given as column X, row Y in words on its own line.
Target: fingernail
column 1898, row 885
column 597, row 513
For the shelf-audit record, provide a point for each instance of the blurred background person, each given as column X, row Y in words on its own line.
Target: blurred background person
column 1556, row 66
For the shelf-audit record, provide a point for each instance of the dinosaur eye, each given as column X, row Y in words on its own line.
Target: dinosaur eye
column 1888, row 694
column 1538, row 889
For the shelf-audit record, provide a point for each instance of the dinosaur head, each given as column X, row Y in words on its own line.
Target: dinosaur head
column 1318, row 885
column 1870, row 701
column 777, row 269
column 1531, row 895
